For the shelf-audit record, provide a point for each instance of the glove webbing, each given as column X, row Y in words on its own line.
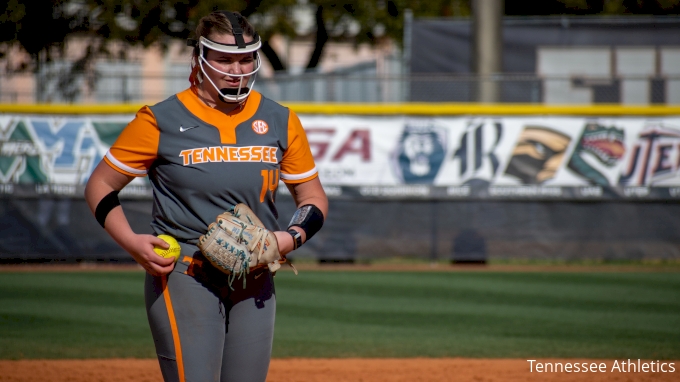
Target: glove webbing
column 260, row 239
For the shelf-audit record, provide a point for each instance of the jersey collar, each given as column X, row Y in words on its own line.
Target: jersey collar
column 189, row 98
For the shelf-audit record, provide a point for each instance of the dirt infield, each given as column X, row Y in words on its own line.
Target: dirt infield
column 341, row 370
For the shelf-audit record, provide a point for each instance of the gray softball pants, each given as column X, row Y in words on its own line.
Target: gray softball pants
column 203, row 330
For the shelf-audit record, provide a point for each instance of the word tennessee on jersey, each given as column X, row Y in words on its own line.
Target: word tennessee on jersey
column 200, row 161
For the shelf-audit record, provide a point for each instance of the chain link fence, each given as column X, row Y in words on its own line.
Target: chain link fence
column 133, row 87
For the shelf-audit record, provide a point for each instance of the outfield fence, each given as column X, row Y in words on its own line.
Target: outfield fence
column 447, row 182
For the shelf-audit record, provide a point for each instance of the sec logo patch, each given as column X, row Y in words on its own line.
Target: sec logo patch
column 260, row 126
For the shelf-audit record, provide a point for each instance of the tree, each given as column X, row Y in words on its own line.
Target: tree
column 43, row 28
column 371, row 21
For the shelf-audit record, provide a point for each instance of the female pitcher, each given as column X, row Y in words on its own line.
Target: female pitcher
column 204, row 150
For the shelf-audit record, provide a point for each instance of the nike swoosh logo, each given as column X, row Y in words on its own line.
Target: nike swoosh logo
column 183, row 129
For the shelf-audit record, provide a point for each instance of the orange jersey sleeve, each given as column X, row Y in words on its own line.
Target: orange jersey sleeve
column 137, row 145
column 297, row 164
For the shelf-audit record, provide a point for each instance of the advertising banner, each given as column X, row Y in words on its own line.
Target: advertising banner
column 501, row 157
column 396, row 157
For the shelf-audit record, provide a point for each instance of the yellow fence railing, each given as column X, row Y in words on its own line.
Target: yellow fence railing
column 430, row 109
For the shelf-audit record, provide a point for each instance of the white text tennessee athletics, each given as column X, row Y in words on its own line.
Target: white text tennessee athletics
column 627, row 366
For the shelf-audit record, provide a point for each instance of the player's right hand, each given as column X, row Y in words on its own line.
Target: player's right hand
column 141, row 249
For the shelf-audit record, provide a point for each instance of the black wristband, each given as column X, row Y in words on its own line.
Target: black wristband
column 109, row 202
column 297, row 238
column 308, row 217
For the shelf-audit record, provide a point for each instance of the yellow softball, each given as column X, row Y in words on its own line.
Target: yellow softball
column 174, row 249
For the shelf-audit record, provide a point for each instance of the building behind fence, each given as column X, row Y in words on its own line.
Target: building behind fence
column 630, row 61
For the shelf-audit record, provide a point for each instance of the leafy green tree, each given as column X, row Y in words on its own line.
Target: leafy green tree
column 42, row 27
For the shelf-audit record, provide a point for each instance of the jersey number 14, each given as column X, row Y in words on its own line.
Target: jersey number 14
column 270, row 180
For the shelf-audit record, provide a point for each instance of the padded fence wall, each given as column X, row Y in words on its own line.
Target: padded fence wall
column 40, row 230
column 438, row 182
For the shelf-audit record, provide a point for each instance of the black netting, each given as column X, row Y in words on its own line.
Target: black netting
column 53, row 229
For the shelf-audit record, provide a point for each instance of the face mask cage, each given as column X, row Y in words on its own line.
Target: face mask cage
column 230, row 95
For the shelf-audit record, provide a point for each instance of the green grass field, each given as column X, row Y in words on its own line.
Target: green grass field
column 370, row 314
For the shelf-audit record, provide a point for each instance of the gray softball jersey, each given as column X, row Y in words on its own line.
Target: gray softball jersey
column 201, row 161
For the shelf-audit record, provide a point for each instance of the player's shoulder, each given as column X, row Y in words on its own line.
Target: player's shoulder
column 149, row 113
column 168, row 102
column 269, row 104
column 172, row 109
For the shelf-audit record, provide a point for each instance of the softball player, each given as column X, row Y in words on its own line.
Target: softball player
column 205, row 149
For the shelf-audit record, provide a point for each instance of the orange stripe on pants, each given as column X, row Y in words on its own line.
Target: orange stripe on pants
column 173, row 326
